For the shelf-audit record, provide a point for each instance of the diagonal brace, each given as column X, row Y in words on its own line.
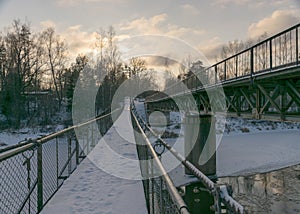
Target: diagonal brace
column 270, row 99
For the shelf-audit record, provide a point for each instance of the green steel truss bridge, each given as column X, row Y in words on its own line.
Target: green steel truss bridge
column 261, row 82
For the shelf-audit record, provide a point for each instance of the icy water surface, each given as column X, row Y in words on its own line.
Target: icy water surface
column 271, row 192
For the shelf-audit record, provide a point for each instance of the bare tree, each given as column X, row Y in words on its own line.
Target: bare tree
column 109, row 66
column 100, row 44
column 56, row 53
column 136, row 65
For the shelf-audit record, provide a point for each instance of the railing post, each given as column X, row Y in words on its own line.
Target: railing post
column 87, row 143
column 297, row 47
column 152, row 188
column 216, row 74
column 77, row 152
column 57, row 164
column 271, row 59
column 236, row 66
column 40, row 201
column 225, row 71
column 93, row 140
column 161, row 209
column 69, row 155
column 251, row 63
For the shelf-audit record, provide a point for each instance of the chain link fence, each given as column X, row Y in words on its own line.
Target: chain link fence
column 31, row 172
column 160, row 193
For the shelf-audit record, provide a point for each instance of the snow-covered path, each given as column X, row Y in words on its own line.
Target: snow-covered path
column 90, row 189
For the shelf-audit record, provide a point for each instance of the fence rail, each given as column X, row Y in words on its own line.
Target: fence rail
column 222, row 197
column 273, row 54
column 160, row 193
column 31, row 172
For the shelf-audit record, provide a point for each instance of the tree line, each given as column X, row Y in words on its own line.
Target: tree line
column 37, row 79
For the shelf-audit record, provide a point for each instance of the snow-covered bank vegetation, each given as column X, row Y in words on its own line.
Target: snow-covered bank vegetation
column 240, row 125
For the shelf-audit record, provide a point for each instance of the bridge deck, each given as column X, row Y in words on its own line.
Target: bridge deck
column 92, row 190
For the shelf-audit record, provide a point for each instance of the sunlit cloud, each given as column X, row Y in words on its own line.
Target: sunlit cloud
column 159, row 25
column 278, row 21
column 47, row 24
column 79, row 41
column 211, row 49
column 144, row 25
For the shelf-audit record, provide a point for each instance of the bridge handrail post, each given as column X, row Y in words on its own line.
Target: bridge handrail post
column 271, row 54
column 77, row 151
column 297, row 47
column 69, row 155
column 236, row 66
column 40, row 177
column 225, row 76
column 216, row 74
column 251, row 63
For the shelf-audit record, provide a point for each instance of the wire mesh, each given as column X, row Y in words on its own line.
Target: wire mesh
column 158, row 196
column 16, row 183
column 31, row 173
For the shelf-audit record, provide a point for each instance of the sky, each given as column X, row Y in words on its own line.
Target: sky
column 205, row 25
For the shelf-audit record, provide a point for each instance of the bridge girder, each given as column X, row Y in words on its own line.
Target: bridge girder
column 274, row 98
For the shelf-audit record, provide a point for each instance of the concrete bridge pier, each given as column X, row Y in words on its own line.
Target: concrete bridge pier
column 200, row 137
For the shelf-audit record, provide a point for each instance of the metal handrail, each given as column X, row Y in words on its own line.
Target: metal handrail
column 251, row 67
column 16, row 149
column 182, row 207
column 30, row 157
column 255, row 45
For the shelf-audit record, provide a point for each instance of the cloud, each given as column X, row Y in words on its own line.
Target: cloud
column 190, row 9
column 211, row 48
column 65, row 3
column 249, row 3
column 278, row 21
column 79, row 42
column 159, row 25
column 47, row 24
column 226, row 3
column 145, row 26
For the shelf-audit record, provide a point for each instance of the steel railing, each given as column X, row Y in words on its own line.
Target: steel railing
column 275, row 53
column 222, row 197
column 160, row 193
column 32, row 171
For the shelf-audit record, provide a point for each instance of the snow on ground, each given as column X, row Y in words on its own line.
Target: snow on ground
column 236, row 126
column 8, row 137
column 248, row 146
column 258, row 152
column 92, row 190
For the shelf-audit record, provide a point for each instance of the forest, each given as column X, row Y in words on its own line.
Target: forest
column 37, row 76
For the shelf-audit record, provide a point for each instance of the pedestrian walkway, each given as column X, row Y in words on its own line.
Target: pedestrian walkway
column 99, row 184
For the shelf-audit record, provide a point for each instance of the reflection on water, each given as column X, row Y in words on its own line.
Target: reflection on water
column 272, row 192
